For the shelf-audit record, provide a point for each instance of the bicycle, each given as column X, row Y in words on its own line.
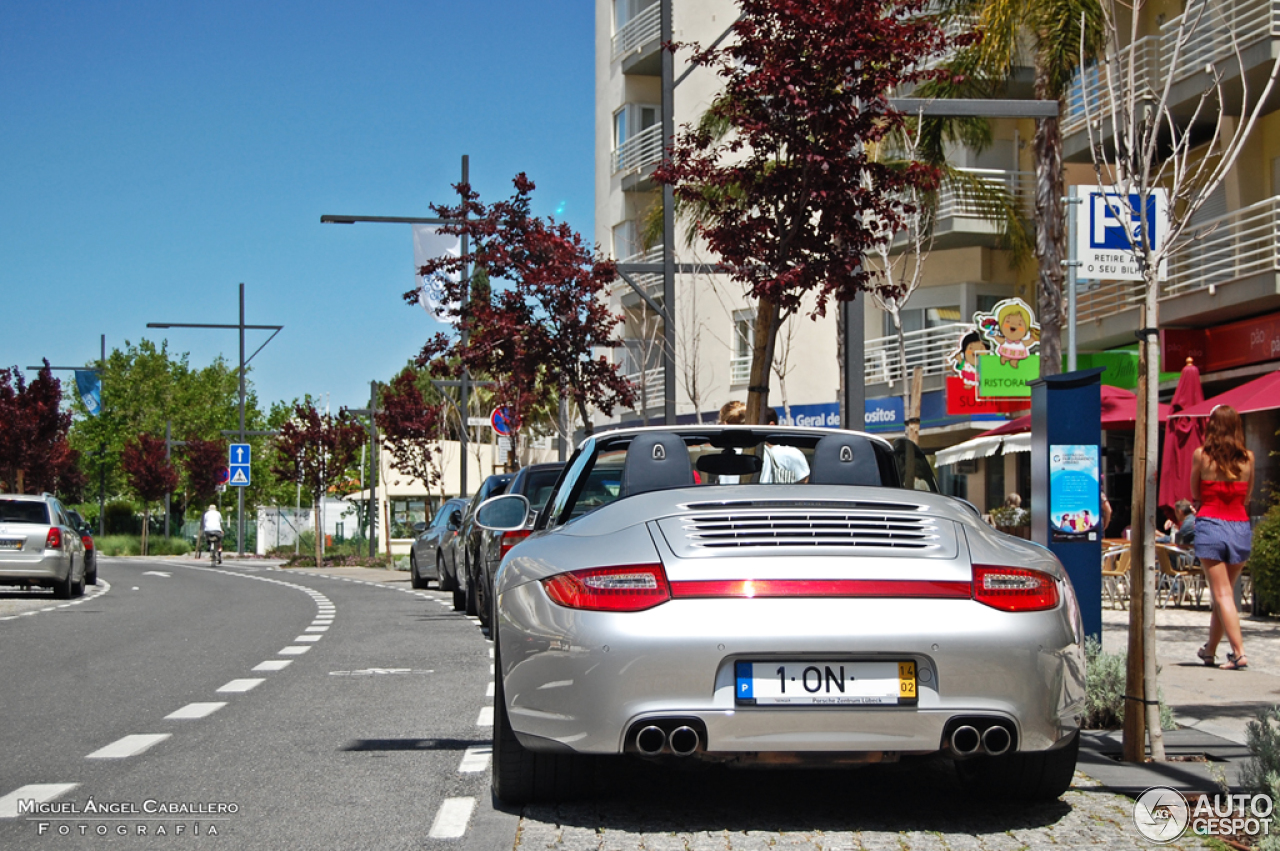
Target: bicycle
column 214, row 540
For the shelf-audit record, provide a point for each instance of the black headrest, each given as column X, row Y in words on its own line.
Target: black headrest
column 844, row 459
column 656, row 460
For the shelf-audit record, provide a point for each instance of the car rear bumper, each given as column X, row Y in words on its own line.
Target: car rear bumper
column 584, row 680
column 44, row 568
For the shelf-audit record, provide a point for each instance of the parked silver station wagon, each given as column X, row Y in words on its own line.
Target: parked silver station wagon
column 40, row 546
column 671, row 606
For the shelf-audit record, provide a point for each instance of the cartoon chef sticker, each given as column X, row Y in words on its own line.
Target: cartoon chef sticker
column 1011, row 325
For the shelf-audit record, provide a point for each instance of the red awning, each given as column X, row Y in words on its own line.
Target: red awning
column 1119, row 411
column 1261, row 394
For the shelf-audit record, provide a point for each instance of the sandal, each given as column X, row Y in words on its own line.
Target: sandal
column 1208, row 658
column 1235, row 663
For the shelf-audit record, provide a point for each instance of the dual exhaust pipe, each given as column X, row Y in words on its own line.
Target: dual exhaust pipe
column 967, row 740
column 651, row 740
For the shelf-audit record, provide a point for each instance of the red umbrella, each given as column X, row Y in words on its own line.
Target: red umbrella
column 1119, row 411
column 1182, row 434
column 1261, row 394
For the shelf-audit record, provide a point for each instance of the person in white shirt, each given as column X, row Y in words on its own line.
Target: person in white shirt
column 782, row 464
column 210, row 525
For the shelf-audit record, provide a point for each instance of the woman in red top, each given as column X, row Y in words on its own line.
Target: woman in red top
column 1221, row 479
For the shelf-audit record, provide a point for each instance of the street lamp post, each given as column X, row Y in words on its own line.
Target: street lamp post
column 466, row 274
column 241, row 433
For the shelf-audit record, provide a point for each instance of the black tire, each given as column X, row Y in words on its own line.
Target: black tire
column 69, row 588
column 470, row 599
column 1036, row 776
column 522, row 776
column 484, row 600
column 459, row 600
column 414, row 579
column 448, row 582
column 91, row 578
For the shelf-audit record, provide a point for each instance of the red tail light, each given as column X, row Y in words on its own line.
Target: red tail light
column 629, row 588
column 87, row 540
column 1014, row 589
column 53, row 541
column 510, row 539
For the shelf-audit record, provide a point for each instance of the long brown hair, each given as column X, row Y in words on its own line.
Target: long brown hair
column 1224, row 441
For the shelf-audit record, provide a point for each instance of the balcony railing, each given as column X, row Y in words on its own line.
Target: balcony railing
column 955, row 202
column 1211, row 42
column 638, row 31
column 650, row 283
column 740, row 369
column 641, row 150
column 926, row 348
column 1229, row 248
column 649, row 388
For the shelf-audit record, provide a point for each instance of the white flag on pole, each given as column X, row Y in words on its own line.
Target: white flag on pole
column 428, row 244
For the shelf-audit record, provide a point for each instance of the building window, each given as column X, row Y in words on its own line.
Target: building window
column 917, row 319
column 744, row 322
column 626, row 240
column 404, row 513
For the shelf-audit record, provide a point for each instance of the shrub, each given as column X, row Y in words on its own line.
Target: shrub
column 131, row 545
column 1261, row 774
column 121, row 518
column 1105, row 678
column 1264, row 561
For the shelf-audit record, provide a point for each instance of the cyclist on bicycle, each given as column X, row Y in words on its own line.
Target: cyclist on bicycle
column 211, row 531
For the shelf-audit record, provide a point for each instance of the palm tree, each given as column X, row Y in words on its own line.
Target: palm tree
column 1056, row 33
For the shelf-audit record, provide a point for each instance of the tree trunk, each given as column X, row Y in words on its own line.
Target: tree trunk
column 1050, row 235
column 1135, row 719
column 1151, row 343
column 146, row 526
column 20, row 477
column 764, row 334
column 315, row 510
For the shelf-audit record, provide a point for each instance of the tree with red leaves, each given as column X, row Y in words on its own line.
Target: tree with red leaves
column 536, row 336
column 149, row 473
column 316, row 450
column 203, row 462
column 411, row 428
column 779, row 171
column 34, row 453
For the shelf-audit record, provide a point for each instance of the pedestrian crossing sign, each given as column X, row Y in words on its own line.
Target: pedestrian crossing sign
column 239, row 456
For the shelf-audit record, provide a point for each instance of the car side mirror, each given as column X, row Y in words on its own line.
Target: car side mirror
column 419, row 527
column 503, row 513
column 455, row 520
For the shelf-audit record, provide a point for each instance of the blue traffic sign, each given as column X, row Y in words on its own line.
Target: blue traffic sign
column 239, row 456
column 503, row 420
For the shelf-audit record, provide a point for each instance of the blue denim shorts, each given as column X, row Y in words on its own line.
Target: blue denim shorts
column 1228, row 541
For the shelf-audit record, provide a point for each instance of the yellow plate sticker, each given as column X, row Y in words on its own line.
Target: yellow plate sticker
column 906, row 680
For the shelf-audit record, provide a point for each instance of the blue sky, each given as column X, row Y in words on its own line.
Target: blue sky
column 154, row 155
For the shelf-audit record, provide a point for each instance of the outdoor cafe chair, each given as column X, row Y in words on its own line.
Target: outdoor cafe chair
column 1176, row 575
column 1115, row 576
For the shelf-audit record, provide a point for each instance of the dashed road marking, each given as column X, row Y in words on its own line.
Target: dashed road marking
column 38, row 792
column 303, row 639
column 486, row 717
column 451, row 820
column 296, row 650
column 241, row 685
column 273, row 665
column 129, row 746
column 194, row 710
column 316, row 629
column 475, row 759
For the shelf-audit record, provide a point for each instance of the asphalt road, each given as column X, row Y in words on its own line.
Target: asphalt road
column 250, row 708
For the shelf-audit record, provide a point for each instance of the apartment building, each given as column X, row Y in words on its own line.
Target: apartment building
column 1221, row 292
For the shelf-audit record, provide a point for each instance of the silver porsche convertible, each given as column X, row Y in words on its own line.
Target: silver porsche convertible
column 765, row 596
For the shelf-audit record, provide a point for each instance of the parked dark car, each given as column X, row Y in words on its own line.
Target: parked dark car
column 535, row 484
column 467, row 543
column 432, row 541
column 90, row 552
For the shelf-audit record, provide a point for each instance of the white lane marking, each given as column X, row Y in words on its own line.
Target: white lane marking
column 451, row 820
column 241, row 685
column 129, row 746
column 486, row 717
column 316, row 629
column 296, row 650
column 475, row 759
column 273, row 665
column 194, row 710
column 306, row 638
column 489, row 691
column 38, row 792
column 156, row 573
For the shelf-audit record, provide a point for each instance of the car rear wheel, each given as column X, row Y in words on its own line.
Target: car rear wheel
column 469, row 599
column 1037, row 776
column 91, row 578
column 484, row 601
column 447, row 581
column 69, row 588
column 522, row 776
column 414, row 579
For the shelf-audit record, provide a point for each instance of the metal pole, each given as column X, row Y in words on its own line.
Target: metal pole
column 373, row 468
column 240, row 491
column 102, row 451
column 466, row 376
column 168, row 438
column 853, row 363
column 668, row 226
column 1072, row 201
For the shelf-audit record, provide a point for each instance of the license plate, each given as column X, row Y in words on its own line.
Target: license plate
column 826, row 683
column 10, row 544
